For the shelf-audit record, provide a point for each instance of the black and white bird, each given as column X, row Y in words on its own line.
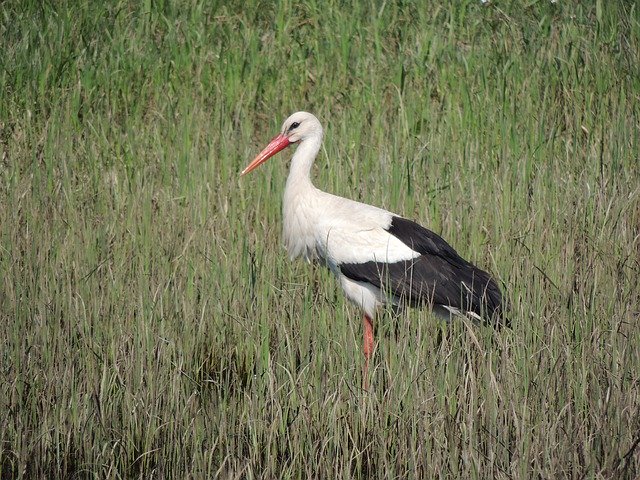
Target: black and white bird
column 378, row 257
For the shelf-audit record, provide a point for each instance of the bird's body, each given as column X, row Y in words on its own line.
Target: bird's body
column 318, row 226
column 377, row 256
column 382, row 257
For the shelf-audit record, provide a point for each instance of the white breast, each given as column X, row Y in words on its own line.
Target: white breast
column 338, row 230
column 298, row 227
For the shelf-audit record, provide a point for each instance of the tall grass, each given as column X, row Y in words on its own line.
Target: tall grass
column 151, row 324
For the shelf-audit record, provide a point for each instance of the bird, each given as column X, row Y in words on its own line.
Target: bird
column 378, row 257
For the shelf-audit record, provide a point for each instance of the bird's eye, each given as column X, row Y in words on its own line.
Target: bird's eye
column 294, row 125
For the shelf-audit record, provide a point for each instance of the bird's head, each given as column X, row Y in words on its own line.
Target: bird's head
column 297, row 128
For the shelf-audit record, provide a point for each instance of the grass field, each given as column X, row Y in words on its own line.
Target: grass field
column 152, row 326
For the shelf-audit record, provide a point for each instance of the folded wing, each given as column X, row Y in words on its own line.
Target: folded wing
column 432, row 272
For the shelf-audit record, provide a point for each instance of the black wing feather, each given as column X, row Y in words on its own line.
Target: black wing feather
column 438, row 276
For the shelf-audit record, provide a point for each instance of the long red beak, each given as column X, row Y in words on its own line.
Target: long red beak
column 278, row 143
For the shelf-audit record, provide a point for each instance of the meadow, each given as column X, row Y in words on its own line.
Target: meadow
column 152, row 325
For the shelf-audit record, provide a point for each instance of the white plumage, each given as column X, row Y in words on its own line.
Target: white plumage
column 377, row 256
column 321, row 226
column 318, row 225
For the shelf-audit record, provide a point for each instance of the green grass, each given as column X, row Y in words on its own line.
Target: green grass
column 152, row 326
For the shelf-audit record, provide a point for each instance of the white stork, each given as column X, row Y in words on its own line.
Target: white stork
column 377, row 256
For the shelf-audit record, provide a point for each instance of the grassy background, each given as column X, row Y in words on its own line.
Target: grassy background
column 152, row 326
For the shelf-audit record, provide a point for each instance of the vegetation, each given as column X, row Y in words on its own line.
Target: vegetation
column 152, row 326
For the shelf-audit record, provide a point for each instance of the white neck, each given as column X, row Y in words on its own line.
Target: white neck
column 298, row 204
column 303, row 158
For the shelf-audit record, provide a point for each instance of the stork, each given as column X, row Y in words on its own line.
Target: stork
column 377, row 256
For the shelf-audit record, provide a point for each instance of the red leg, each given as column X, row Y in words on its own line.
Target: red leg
column 368, row 349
